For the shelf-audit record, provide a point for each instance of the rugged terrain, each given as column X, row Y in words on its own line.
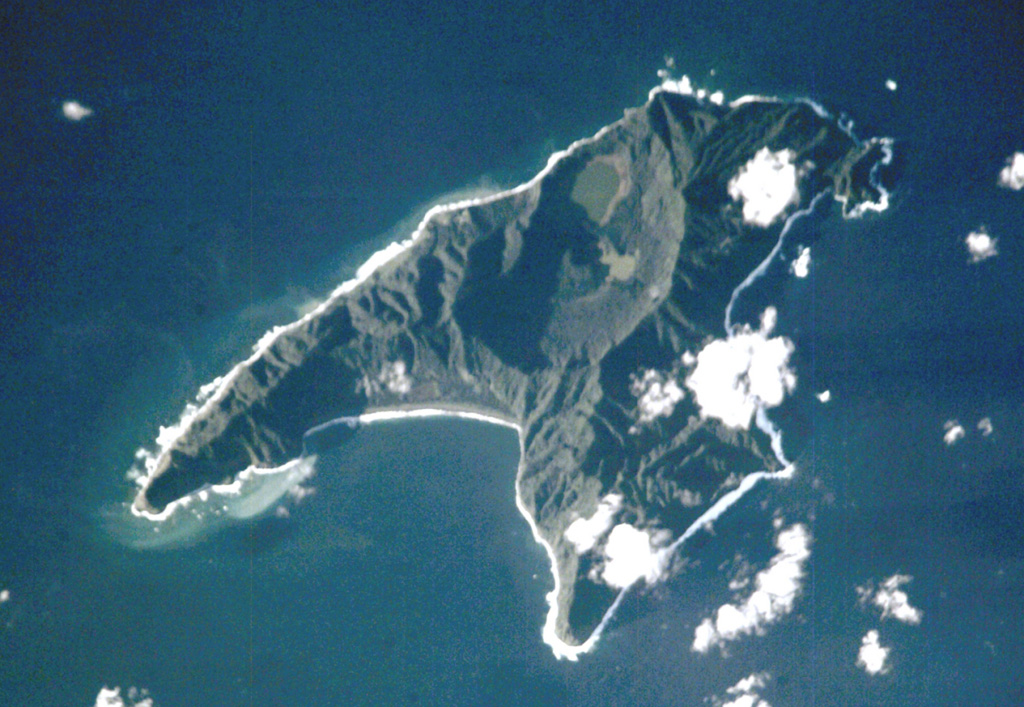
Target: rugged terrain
column 543, row 306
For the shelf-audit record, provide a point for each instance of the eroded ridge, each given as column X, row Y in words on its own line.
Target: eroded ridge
column 572, row 308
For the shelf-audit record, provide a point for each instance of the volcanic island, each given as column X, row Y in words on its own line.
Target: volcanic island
column 570, row 308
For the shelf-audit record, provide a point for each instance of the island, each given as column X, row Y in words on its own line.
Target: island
column 574, row 308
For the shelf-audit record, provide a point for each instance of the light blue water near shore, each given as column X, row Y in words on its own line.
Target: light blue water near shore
column 240, row 156
column 407, row 577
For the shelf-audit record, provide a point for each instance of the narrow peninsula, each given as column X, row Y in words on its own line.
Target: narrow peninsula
column 572, row 308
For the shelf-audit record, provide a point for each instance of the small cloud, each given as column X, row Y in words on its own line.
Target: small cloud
column 954, row 432
column 824, row 396
column 985, row 426
column 872, row 656
column 395, row 378
column 5, row 595
column 1012, row 175
column 744, row 692
column 735, row 376
column 775, row 596
column 73, row 110
column 656, row 393
column 891, row 599
column 632, row 554
column 981, row 246
column 801, row 267
column 584, row 533
column 891, row 85
column 111, row 697
column 766, row 185
column 683, row 85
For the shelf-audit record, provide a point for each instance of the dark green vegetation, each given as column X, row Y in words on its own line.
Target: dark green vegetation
column 507, row 308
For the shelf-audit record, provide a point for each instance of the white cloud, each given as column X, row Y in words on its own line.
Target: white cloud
column 656, row 393
column 872, row 655
column 683, row 85
column 985, row 426
column 766, row 185
column 801, row 267
column 744, row 692
column 824, row 396
column 891, row 85
column 632, row 554
column 111, row 697
column 395, row 378
column 5, row 595
column 894, row 602
column 891, row 599
column 749, row 684
column 735, row 376
column 954, row 432
column 584, row 533
column 1012, row 175
column 981, row 246
column 73, row 110
column 775, row 596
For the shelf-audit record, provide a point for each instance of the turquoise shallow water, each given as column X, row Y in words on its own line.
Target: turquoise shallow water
column 407, row 577
column 240, row 159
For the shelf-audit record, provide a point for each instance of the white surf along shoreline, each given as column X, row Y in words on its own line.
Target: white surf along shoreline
column 254, row 489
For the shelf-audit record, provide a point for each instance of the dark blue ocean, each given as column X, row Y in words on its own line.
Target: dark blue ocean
column 241, row 160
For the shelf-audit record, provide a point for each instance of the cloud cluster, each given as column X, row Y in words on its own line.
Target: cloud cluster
column 777, row 589
column 393, row 377
column 744, row 692
column 111, row 697
column 801, row 267
column 766, row 185
column 954, row 432
column 872, row 656
column 736, row 376
column 683, row 85
column 980, row 246
column 73, row 110
column 632, row 554
column 1012, row 175
column 891, row 599
column 656, row 394
column 584, row 533
column 396, row 379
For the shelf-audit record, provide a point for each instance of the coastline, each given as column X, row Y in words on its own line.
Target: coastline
column 291, row 473
column 211, row 393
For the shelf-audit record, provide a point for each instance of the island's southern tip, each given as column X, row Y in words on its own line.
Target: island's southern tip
column 585, row 309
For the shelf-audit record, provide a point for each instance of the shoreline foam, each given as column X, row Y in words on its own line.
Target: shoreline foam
column 211, row 393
